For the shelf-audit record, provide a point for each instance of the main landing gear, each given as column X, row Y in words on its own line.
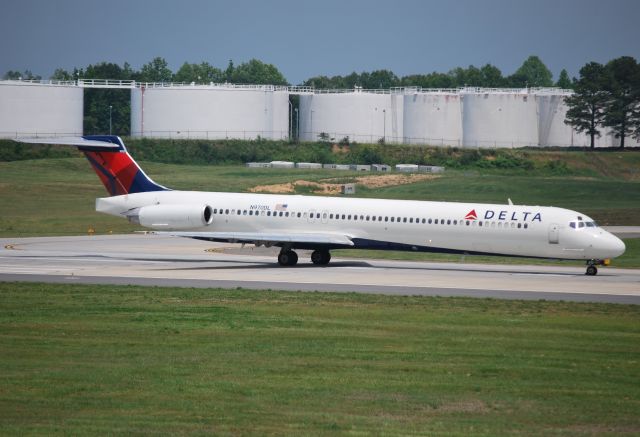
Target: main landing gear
column 288, row 257
column 320, row 257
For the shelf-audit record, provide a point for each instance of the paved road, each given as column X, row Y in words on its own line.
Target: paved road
column 170, row 261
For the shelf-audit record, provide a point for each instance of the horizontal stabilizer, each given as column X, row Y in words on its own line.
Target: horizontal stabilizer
column 69, row 141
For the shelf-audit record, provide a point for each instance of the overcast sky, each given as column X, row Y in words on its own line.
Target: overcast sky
column 323, row 37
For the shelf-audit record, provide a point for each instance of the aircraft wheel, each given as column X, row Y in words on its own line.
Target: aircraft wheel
column 592, row 270
column 320, row 257
column 288, row 258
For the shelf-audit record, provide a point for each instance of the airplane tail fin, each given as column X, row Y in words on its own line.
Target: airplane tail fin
column 108, row 156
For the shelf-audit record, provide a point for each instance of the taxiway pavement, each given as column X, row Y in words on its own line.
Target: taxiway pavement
column 140, row 259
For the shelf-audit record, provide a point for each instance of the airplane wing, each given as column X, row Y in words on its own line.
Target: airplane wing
column 267, row 238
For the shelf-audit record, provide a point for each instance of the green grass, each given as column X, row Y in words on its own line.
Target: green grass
column 134, row 360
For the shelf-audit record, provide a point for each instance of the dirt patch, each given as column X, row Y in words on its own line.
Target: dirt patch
column 468, row 406
column 332, row 187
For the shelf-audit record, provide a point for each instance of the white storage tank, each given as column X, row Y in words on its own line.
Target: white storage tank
column 499, row 118
column 29, row 109
column 210, row 111
column 552, row 130
column 432, row 117
column 363, row 116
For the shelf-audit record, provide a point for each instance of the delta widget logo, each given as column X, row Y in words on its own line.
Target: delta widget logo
column 471, row 215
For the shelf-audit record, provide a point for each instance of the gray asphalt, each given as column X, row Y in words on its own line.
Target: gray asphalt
column 152, row 260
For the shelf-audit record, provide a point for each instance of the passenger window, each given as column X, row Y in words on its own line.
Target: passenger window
column 280, row 214
column 393, row 219
column 299, row 214
column 368, row 218
column 467, row 222
column 480, row 224
column 379, row 218
column 424, row 220
column 448, row 222
column 436, row 221
column 324, row 216
column 430, row 221
column 519, row 225
column 411, row 220
column 343, row 216
column 455, row 222
column 287, row 214
column 226, row 211
column 526, row 226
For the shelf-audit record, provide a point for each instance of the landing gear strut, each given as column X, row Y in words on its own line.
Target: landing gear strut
column 592, row 270
column 287, row 258
column 320, row 257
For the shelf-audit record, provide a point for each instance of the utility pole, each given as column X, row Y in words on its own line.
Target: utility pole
column 110, row 107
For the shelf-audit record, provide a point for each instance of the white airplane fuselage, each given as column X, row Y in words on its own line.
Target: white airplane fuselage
column 450, row 227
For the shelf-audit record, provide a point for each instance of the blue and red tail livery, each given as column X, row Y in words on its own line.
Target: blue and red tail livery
column 117, row 170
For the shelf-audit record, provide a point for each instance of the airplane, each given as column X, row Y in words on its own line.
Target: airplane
column 320, row 224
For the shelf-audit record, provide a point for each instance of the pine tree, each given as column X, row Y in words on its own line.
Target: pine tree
column 623, row 88
column 563, row 80
column 587, row 105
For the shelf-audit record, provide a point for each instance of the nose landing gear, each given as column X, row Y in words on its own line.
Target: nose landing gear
column 592, row 270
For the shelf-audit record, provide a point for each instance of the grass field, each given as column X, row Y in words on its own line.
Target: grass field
column 131, row 360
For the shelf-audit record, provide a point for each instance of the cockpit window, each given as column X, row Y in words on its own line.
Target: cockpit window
column 581, row 224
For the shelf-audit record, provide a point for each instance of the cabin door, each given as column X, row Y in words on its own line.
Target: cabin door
column 554, row 233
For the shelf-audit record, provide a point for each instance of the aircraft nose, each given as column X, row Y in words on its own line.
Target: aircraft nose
column 617, row 246
column 610, row 245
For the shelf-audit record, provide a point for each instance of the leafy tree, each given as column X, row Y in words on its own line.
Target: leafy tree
column 379, row 79
column 155, row 71
column 61, row 74
column 623, row 88
column 491, row 76
column 532, row 73
column 228, row 73
column 563, row 80
column 587, row 105
column 25, row 75
column 97, row 101
column 257, row 72
column 199, row 73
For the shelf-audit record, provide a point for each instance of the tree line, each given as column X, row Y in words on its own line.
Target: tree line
column 606, row 96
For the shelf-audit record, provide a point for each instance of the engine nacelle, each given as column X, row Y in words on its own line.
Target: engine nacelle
column 172, row 217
